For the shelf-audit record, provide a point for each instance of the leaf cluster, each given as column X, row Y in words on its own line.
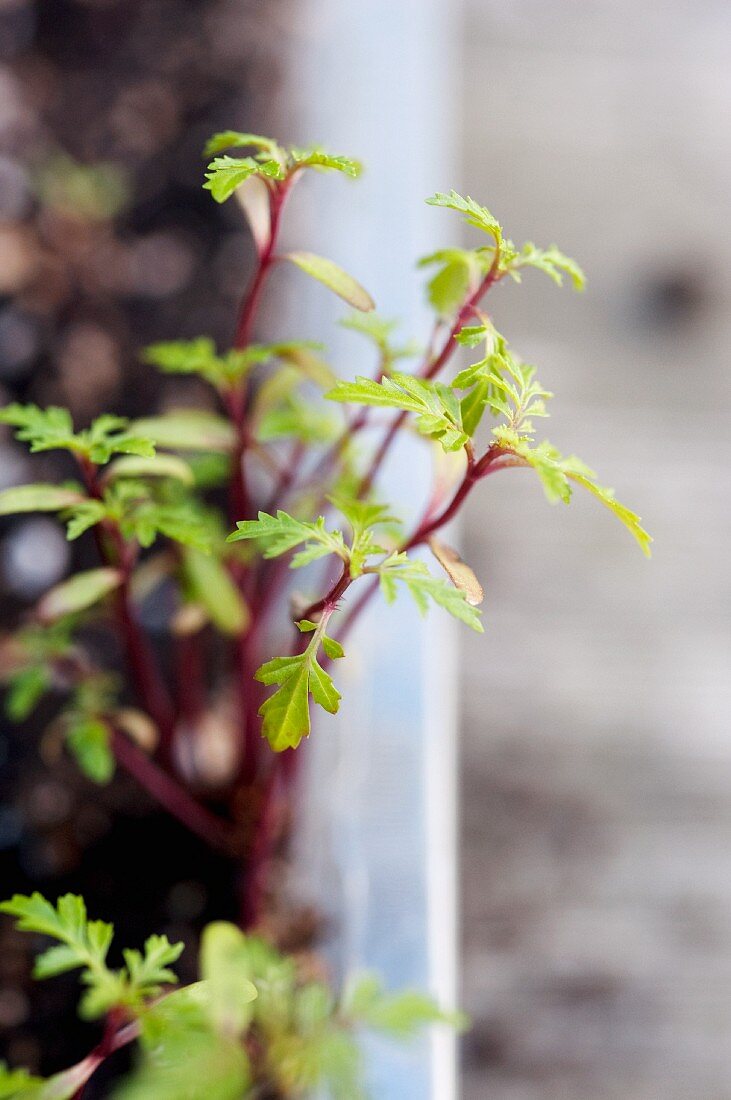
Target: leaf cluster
column 53, row 429
column 268, row 162
column 252, row 1021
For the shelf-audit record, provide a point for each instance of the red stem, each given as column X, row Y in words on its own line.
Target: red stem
column 151, row 687
column 432, row 368
column 175, row 799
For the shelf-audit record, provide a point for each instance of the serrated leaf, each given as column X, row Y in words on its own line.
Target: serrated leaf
column 150, row 970
column 555, row 472
column 474, row 214
column 315, row 157
column 283, row 532
column 286, row 712
column 234, row 139
column 81, row 517
column 79, row 592
column 37, row 498
column 437, row 409
column 551, row 261
column 188, row 430
column 52, row 429
column 399, row 568
column 226, row 173
column 332, row 276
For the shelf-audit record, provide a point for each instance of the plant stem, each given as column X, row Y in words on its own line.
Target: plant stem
column 256, row 871
column 175, row 799
column 432, row 367
column 151, row 687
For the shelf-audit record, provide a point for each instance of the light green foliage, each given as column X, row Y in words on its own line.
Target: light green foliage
column 501, row 383
column 557, row 472
column 317, row 158
column 37, row 498
column 161, row 465
column 423, row 586
column 267, row 148
column 195, row 1041
column 88, row 192
column 436, row 405
column 199, row 356
column 188, row 430
column 551, row 261
column 363, row 517
column 211, row 586
column 296, row 417
column 143, row 512
column 401, row 1015
column 83, row 944
column 79, row 592
column 52, row 428
column 27, row 665
column 269, row 162
column 281, row 533
column 458, row 273
column 88, row 740
column 286, row 712
column 334, row 278
column 380, row 332
column 474, row 214
column 226, row 173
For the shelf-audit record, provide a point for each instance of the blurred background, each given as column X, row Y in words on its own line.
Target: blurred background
column 595, row 758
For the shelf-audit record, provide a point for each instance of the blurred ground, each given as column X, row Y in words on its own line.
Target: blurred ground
column 596, row 834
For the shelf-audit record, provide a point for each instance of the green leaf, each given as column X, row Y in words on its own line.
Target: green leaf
column 234, row 139
column 469, row 336
column 380, row 332
column 149, row 971
column 161, row 465
column 549, row 260
column 25, row 691
column 188, row 430
column 212, row 586
column 423, row 586
column 437, row 408
column 555, row 472
column 89, row 740
column 18, row 1083
column 86, row 942
column 226, row 969
column 295, row 418
column 630, row 519
column 315, row 157
column 504, row 385
column 363, row 516
column 226, row 173
column 401, row 1014
column 474, row 214
column 196, row 356
column 83, row 516
column 79, row 592
column 333, row 277
column 283, row 532
column 37, row 498
column 286, row 712
column 43, row 429
column 52, row 428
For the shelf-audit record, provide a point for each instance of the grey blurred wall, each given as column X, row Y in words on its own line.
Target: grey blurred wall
column 596, row 833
